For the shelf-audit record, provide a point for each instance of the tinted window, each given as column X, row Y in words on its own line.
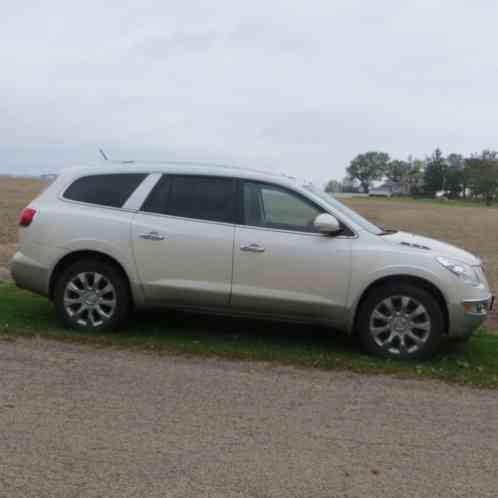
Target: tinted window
column 105, row 190
column 156, row 200
column 198, row 197
column 274, row 207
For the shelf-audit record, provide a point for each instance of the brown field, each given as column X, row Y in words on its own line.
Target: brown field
column 15, row 193
column 473, row 227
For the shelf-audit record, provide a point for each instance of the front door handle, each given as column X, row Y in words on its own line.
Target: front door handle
column 252, row 248
column 152, row 236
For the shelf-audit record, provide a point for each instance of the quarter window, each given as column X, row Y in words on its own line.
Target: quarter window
column 105, row 190
column 274, row 207
column 197, row 197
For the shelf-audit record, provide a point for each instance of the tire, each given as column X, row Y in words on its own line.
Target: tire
column 92, row 295
column 401, row 321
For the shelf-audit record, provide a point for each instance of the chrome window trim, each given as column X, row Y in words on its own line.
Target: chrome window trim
column 298, row 232
column 197, row 220
column 238, row 225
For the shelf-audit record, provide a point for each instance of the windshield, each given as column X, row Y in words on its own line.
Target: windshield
column 349, row 213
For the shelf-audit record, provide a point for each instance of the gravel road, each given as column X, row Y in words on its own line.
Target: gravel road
column 79, row 421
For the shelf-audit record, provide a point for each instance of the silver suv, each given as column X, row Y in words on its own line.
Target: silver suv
column 103, row 240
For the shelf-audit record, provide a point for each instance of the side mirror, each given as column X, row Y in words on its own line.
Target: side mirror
column 326, row 223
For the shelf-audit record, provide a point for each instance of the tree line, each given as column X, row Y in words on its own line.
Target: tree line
column 454, row 175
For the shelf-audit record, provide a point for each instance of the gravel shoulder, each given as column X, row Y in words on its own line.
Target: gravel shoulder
column 80, row 421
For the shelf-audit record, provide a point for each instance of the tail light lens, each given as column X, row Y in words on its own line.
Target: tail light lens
column 27, row 216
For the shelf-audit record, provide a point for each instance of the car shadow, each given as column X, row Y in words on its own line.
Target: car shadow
column 157, row 323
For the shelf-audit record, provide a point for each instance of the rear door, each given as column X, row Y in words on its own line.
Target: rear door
column 183, row 240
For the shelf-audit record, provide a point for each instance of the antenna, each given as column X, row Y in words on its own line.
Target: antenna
column 102, row 153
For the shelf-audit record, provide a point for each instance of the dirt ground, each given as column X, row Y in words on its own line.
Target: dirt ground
column 474, row 227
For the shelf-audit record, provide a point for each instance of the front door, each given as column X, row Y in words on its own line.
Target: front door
column 183, row 241
column 282, row 266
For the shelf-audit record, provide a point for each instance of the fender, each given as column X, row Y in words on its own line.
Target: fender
column 358, row 289
column 112, row 251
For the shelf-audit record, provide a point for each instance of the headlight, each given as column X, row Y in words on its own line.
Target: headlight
column 461, row 270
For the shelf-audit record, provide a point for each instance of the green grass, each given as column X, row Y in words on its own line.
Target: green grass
column 26, row 315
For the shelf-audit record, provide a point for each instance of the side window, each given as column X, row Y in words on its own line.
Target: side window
column 156, row 200
column 105, row 190
column 197, row 197
column 274, row 207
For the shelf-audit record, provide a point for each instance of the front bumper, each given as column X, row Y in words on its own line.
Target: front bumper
column 465, row 317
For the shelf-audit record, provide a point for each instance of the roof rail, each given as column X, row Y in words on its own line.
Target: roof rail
column 200, row 164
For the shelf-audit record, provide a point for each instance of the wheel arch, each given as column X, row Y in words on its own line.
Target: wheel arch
column 80, row 255
column 407, row 279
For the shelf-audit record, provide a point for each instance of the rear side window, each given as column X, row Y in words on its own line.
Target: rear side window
column 105, row 190
column 197, row 197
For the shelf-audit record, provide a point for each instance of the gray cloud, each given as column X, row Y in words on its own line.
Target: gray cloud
column 290, row 86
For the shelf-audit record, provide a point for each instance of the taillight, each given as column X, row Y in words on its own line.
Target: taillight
column 27, row 216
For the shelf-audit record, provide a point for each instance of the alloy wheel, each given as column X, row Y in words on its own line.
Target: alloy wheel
column 90, row 299
column 400, row 325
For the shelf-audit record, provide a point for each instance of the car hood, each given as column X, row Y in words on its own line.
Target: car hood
column 438, row 248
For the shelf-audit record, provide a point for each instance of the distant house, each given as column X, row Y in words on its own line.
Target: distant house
column 388, row 189
column 403, row 187
column 379, row 192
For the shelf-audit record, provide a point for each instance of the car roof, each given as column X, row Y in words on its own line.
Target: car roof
column 179, row 167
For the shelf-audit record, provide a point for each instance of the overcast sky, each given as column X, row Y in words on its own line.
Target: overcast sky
column 294, row 86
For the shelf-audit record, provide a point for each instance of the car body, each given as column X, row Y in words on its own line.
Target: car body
column 242, row 242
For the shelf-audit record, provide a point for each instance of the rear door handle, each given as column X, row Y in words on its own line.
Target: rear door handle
column 152, row 236
column 252, row 248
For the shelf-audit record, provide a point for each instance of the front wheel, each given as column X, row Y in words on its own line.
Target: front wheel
column 92, row 294
column 401, row 321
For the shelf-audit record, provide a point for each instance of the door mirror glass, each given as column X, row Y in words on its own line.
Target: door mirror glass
column 326, row 223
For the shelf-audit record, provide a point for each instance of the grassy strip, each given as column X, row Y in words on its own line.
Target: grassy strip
column 25, row 315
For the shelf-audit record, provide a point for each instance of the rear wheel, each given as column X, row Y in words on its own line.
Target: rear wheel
column 92, row 294
column 401, row 321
